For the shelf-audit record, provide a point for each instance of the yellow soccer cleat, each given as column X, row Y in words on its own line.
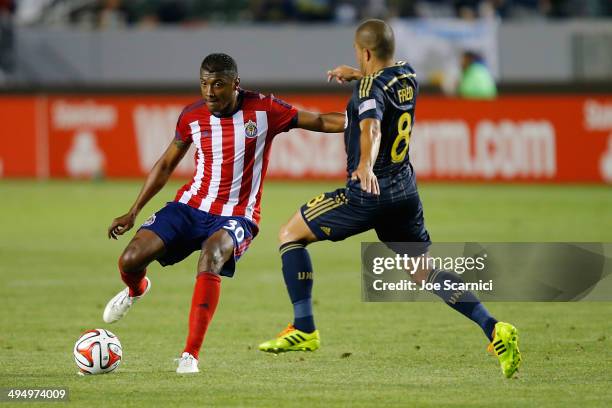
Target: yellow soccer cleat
column 505, row 347
column 292, row 339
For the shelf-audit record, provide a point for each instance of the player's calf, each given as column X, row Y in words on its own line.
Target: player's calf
column 216, row 251
column 134, row 279
column 143, row 249
column 463, row 301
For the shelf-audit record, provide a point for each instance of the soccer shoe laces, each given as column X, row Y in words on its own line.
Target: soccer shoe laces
column 287, row 330
column 498, row 348
column 491, row 350
column 186, row 359
column 183, row 358
column 124, row 300
column 491, row 347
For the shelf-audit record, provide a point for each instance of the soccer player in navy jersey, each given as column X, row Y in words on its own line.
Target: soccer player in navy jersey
column 380, row 194
column 218, row 211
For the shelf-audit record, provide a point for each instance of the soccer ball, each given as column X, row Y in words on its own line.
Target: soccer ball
column 97, row 351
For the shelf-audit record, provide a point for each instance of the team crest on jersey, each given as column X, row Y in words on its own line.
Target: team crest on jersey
column 149, row 221
column 250, row 128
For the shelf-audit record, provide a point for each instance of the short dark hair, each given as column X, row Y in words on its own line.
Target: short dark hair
column 219, row 62
column 377, row 36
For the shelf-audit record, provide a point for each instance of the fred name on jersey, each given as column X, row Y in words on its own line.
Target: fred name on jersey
column 403, row 89
column 405, row 94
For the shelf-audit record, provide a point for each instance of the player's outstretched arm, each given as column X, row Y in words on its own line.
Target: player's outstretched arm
column 369, row 144
column 344, row 73
column 332, row 122
column 156, row 179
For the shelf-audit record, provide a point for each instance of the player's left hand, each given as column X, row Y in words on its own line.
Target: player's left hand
column 367, row 178
column 343, row 74
column 121, row 225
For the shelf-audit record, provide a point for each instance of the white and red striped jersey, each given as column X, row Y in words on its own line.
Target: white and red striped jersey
column 232, row 153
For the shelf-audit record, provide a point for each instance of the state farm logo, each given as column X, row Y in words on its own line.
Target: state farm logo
column 84, row 158
column 83, row 114
column 597, row 116
column 505, row 149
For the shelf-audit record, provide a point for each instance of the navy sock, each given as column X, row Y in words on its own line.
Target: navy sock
column 297, row 272
column 465, row 302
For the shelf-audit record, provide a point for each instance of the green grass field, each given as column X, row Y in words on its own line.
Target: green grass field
column 57, row 271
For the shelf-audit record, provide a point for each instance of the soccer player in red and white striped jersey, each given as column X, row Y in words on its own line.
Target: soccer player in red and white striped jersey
column 218, row 211
column 236, row 147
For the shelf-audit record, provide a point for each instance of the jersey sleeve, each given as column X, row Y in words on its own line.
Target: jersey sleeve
column 182, row 133
column 283, row 116
column 371, row 99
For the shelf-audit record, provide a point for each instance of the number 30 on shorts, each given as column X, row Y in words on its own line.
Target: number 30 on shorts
column 232, row 225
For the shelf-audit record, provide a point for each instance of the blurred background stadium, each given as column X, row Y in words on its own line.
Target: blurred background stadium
column 83, row 78
column 512, row 142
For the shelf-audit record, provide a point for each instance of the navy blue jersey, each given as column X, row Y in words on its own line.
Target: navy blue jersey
column 389, row 96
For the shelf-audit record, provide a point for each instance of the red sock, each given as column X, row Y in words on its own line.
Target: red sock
column 135, row 281
column 203, row 305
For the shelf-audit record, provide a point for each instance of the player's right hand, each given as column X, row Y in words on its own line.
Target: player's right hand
column 343, row 73
column 121, row 225
column 367, row 179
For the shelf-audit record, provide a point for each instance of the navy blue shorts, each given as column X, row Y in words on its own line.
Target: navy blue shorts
column 184, row 229
column 396, row 214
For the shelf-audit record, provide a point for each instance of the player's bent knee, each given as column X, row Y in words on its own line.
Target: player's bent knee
column 285, row 234
column 290, row 233
column 130, row 260
column 212, row 260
